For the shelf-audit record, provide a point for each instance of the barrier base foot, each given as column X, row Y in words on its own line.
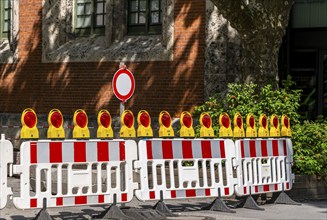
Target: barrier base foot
column 113, row 212
column 219, row 205
column 162, row 208
column 43, row 215
column 251, row 204
column 283, row 198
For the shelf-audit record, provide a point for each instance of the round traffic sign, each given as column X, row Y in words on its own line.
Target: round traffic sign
column 123, row 84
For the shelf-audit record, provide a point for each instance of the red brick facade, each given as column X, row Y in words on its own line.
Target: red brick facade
column 166, row 85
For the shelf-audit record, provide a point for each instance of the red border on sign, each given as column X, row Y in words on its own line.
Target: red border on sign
column 123, row 98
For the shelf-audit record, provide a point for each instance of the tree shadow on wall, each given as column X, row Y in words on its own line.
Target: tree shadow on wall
column 160, row 85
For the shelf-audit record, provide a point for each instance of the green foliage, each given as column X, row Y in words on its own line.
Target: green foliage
column 310, row 147
column 248, row 98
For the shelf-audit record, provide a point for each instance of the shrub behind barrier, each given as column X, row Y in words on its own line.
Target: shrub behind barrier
column 310, row 147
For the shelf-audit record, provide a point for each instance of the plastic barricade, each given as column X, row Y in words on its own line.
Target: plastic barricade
column 75, row 172
column 263, row 165
column 185, row 168
column 6, row 161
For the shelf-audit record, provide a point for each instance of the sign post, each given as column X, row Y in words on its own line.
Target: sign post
column 123, row 85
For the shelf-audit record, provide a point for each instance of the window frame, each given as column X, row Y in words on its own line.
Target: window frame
column 147, row 28
column 5, row 35
column 93, row 29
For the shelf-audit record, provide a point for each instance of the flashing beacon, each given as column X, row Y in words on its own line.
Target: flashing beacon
column 263, row 126
column 144, row 121
column 104, row 125
column 80, row 124
column 251, row 130
column 165, row 122
column 186, row 122
column 127, row 120
column 238, row 126
column 206, row 129
column 29, row 122
column 55, row 121
column 286, row 126
column 274, row 126
column 225, row 129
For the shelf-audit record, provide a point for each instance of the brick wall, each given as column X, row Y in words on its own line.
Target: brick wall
column 167, row 85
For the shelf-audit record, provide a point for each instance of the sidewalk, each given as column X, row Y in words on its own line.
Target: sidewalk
column 184, row 209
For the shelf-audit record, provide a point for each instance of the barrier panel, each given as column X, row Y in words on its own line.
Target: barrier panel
column 263, row 165
column 6, row 161
column 185, row 168
column 75, row 172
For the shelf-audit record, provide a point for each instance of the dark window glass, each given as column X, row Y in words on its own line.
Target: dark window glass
column 144, row 17
column 5, row 15
column 90, row 17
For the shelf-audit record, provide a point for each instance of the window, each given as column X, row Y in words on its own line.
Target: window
column 5, row 11
column 144, row 17
column 90, row 17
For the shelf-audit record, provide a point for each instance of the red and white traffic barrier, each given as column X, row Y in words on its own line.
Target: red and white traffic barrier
column 95, row 171
column 6, row 161
column 184, row 168
column 263, row 165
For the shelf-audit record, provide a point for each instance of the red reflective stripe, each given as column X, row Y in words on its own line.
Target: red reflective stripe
column 149, row 150
column 256, row 189
column 252, row 149
column 287, row 185
column 103, row 151
column 124, row 197
column 167, row 150
column 55, row 152
column 152, row 194
column 275, row 147
column 285, row 148
column 244, row 190
column 207, row 192
column 59, row 201
column 266, row 188
column 187, row 149
column 226, row 191
column 122, row 151
column 33, row 152
column 33, row 203
column 101, row 199
column 173, row 194
column 190, row 193
column 276, row 186
column 242, row 149
column 79, row 152
column 80, row 200
column 264, row 151
column 222, row 149
column 206, row 149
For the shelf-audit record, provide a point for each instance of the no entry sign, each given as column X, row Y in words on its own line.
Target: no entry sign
column 123, row 84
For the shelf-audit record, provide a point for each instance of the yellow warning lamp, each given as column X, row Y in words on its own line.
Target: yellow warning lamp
column 104, row 125
column 206, row 129
column 225, row 129
column 127, row 120
column 186, row 122
column 238, row 126
column 251, row 130
column 144, row 121
column 274, row 126
column 263, row 126
column 55, row 121
column 286, row 126
column 29, row 122
column 80, row 124
column 165, row 122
